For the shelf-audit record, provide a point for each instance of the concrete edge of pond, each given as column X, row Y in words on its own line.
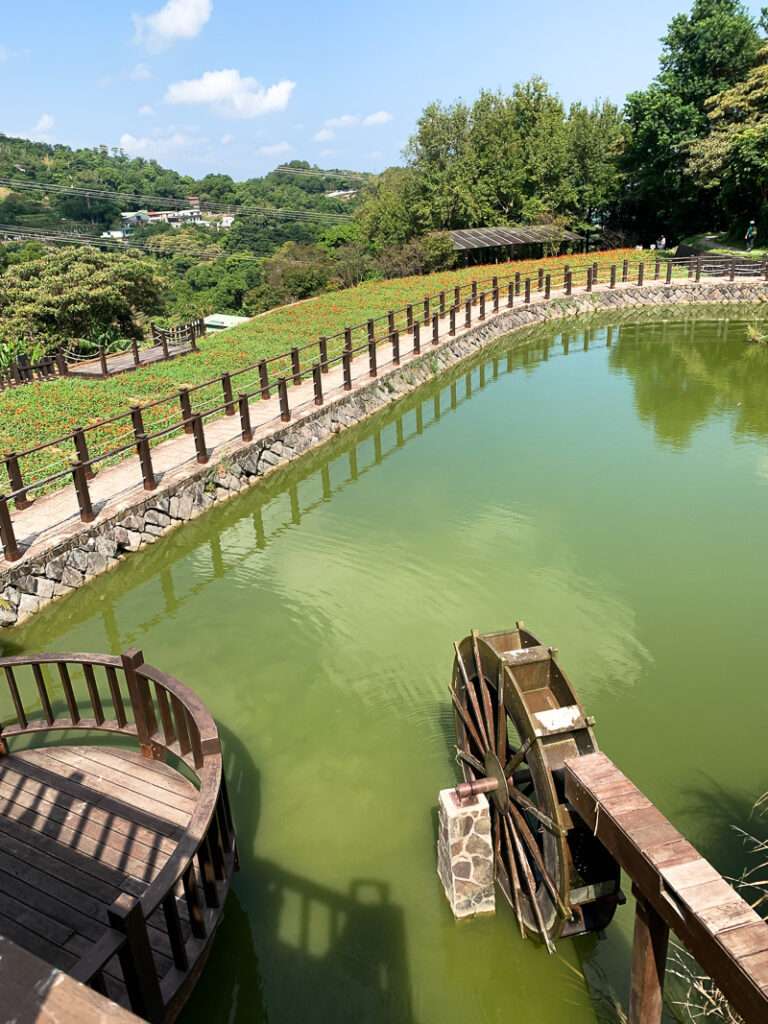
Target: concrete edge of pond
column 83, row 551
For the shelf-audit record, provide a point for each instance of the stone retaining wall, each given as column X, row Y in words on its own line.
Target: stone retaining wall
column 28, row 586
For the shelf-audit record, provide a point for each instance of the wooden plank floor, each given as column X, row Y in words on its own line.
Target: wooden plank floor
column 79, row 826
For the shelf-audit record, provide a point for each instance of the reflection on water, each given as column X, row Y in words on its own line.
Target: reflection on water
column 586, row 480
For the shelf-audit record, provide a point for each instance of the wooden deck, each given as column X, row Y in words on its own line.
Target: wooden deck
column 78, row 827
column 125, row 362
column 675, row 888
column 114, row 865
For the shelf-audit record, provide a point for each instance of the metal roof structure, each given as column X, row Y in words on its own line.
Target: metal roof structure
column 485, row 238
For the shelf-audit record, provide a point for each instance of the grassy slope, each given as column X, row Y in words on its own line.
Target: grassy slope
column 40, row 412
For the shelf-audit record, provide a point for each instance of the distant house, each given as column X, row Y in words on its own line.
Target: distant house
column 135, row 218
column 343, row 193
column 227, row 220
column 120, row 234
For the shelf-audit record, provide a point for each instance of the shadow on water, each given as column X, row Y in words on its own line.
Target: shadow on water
column 290, row 949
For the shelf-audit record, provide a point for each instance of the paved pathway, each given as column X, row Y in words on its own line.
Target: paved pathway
column 55, row 517
column 122, row 362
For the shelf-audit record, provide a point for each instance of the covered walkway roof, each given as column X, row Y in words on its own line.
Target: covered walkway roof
column 486, row 238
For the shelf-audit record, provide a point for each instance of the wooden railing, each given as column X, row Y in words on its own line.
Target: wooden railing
column 189, row 408
column 124, row 696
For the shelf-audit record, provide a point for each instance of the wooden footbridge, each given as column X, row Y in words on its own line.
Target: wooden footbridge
column 115, row 860
column 565, row 822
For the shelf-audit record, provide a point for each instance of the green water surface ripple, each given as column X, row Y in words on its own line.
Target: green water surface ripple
column 607, row 482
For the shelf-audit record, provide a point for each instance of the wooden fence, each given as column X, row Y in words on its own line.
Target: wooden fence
column 269, row 377
column 168, row 344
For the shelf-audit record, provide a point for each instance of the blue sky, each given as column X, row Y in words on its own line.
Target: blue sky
column 238, row 87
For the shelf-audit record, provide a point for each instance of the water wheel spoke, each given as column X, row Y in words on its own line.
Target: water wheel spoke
column 473, row 700
column 466, row 720
column 501, row 717
column 496, row 835
column 486, row 697
column 530, row 882
column 473, row 762
column 514, row 878
column 533, row 847
column 518, row 759
column 530, row 806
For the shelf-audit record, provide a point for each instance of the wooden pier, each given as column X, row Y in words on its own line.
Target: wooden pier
column 114, row 861
column 675, row 888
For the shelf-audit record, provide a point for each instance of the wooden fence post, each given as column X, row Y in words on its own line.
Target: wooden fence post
column 199, row 434
column 135, row 351
column 245, row 416
column 346, row 369
column 408, row 319
column 495, row 298
column 589, row 279
column 649, row 958
column 145, row 461
column 395, row 351
column 296, row 363
column 613, row 275
column 468, row 313
column 657, row 269
column 103, row 361
column 640, row 272
column 323, row 348
column 317, row 380
column 517, row 283
column 426, row 310
column 264, row 380
column 527, row 291
column 226, row 387
column 568, row 283
column 698, row 269
column 595, row 272
column 442, row 300
column 81, row 490
column 10, row 547
column 81, row 447
column 417, row 337
column 282, row 394
column 669, row 272
column 136, row 960
column 372, row 370
column 457, row 295
column 625, row 271
column 15, row 478
column 474, row 293
column 61, row 361
column 452, row 322
column 547, row 286
column 482, row 305
column 186, row 410
column 435, row 329
column 541, row 279
column 511, row 295
column 733, row 268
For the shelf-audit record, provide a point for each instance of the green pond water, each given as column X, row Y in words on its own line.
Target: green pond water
column 609, row 485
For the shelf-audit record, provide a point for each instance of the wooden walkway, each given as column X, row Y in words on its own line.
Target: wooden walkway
column 78, row 827
column 125, row 362
column 675, row 888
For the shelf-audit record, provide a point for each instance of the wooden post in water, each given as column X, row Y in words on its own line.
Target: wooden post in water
column 649, row 960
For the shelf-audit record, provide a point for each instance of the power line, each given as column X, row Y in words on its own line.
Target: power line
column 275, row 213
column 310, row 172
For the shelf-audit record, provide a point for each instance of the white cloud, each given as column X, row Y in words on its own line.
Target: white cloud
column 276, row 150
column 380, row 117
column 226, row 139
column 6, row 53
column 230, row 95
column 140, row 73
column 146, row 110
column 45, row 122
column 177, row 19
column 324, row 135
column 158, row 147
column 345, row 121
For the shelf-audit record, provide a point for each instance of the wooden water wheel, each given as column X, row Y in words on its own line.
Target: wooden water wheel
column 517, row 719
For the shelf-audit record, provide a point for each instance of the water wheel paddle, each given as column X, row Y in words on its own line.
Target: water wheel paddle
column 517, row 719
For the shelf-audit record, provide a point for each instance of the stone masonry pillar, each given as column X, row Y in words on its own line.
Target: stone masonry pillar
column 465, row 854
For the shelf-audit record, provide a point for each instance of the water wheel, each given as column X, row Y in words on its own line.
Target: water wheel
column 517, row 719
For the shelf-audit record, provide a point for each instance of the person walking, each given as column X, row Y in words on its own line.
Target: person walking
column 750, row 236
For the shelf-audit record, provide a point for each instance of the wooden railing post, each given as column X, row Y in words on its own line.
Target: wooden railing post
column 482, row 305
column 625, row 271
column 103, row 361
column 164, row 343
column 425, row 320
column 296, row 365
column 264, row 379
column 452, row 322
column 135, row 351
column 61, row 361
column 226, row 387
column 495, row 294
column 346, row 369
column 372, row 370
column 417, row 337
column 317, row 380
column 15, row 478
column 186, row 410
column 595, row 273
column 613, row 275
column 474, row 293
column 10, row 547
column 323, row 349
column 145, row 461
column 282, row 394
column 547, row 285
column 442, row 300
column 395, row 351
column 81, row 447
column 199, row 435
column 733, row 268
column 517, row 283
column 457, row 295
column 568, row 283
column 698, row 269
column 540, row 284
column 527, row 291
column 649, row 958
column 589, row 279
column 408, row 318
column 657, row 269
column 390, row 323
column 468, row 313
column 245, row 417
column 81, row 490
column 640, row 272
column 435, row 329
column 136, row 960
column 669, row 272
column 511, row 295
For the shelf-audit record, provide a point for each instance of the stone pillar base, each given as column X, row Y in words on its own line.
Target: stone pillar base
column 465, row 854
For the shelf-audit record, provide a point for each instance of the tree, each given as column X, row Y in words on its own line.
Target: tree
column 733, row 158
column 594, row 137
column 71, row 292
